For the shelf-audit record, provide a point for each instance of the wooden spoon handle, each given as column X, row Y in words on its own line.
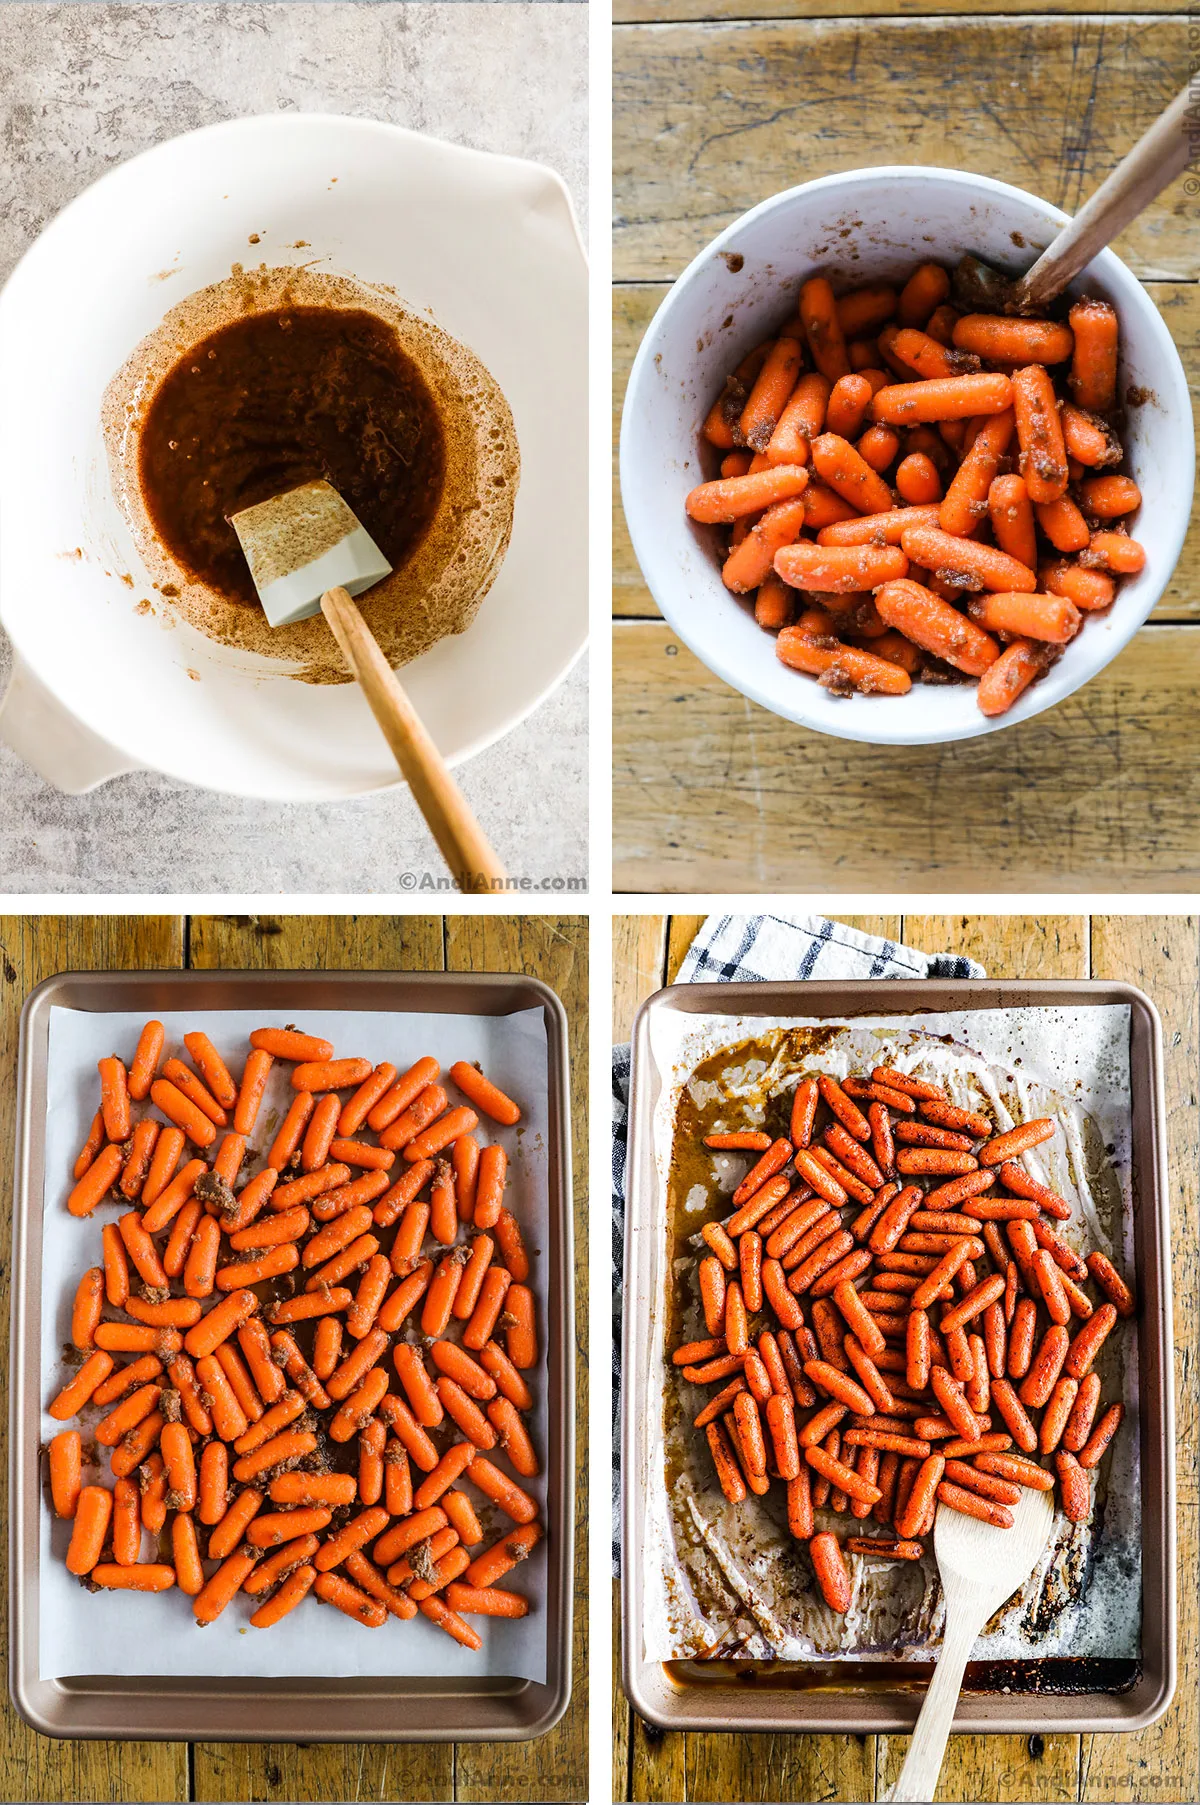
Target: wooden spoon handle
column 439, row 798
column 1155, row 160
column 923, row 1763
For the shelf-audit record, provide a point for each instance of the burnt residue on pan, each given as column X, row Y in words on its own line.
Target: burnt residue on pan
column 745, row 1084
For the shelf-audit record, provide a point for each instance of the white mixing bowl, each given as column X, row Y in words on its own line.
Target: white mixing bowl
column 872, row 225
column 487, row 245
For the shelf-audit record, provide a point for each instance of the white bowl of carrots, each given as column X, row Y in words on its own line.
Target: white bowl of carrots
column 900, row 523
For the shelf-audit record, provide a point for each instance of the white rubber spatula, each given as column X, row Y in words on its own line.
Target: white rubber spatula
column 980, row 1567
column 309, row 553
column 1160, row 154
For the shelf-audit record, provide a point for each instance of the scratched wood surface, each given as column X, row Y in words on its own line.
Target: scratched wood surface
column 719, row 103
column 554, row 1768
column 1162, row 955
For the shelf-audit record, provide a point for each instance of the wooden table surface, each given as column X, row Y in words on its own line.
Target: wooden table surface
column 1162, row 955
column 554, row 948
column 721, row 103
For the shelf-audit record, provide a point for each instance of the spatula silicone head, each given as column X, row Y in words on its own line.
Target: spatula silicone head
column 303, row 543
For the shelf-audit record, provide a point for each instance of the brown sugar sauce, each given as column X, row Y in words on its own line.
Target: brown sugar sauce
column 284, row 397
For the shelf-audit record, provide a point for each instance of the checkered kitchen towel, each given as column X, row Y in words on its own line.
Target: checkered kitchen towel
column 737, row 949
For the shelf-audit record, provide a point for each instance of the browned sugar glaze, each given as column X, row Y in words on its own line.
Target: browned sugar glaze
column 281, row 398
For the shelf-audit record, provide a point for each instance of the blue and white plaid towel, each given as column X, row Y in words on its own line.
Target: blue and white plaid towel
column 738, row 949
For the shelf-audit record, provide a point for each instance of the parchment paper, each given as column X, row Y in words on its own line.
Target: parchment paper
column 730, row 1580
column 117, row 1633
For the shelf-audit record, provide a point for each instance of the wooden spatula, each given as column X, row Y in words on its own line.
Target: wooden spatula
column 980, row 1567
column 309, row 553
column 1156, row 159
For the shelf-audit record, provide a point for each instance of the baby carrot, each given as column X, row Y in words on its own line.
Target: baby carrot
column 93, row 1512
column 966, row 499
column 290, row 1043
column 917, row 480
column 849, row 400
column 1016, row 668
column 840, row 569
column 292, row 1592
column 485, row 1601
column 729, row 498
column 841, row 664
column 943, row 398
column 801, row 420
column 349, row 1600
column 322, row 1125
column 403, row 1091
column 291, row 1130
column 114, row 1098
column 330, row 1074
column 250, row 1092
column 750, row 564
column 1093, row 377
column 767, row 400
column 450, row 1621
column 186, row 1082
column 65, row 1458
column 1014, row 341
column 927, row 288
column 1048, row 617
column 91, row 1146
column 167, row 1149
column 965, row 562
column 86, row 1309
column 822, row 330
column 1012, row 519
column 849, row 475
column 141, row 1150
column 213, row 1069
column 225, row 1584
column 75, row 1394
column 98, row 1178
column 145, row 1060
column 877, row 529
column 1108, row 497
column 1043, row 459
column 183, row 1112
column 147, row 1577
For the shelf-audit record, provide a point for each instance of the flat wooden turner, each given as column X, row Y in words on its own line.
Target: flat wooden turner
column 980, row 1567
column 309, row 553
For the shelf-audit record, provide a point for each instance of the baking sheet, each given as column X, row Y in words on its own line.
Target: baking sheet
column 113, row 1633
column 729, row 1580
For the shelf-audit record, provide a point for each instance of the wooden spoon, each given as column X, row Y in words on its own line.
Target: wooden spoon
column 1156, row 159
column 980, row 1567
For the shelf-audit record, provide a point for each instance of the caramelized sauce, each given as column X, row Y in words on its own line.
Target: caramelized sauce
column 281, row 398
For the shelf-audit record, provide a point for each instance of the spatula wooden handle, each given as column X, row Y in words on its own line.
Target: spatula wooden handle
column 1155, row 160
column 439, row 798
column 926, row 1752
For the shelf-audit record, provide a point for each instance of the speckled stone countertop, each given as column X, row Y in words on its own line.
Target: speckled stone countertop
column 87, row 87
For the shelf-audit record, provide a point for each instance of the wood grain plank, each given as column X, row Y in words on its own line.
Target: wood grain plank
column 316, row 942
column 708, row 119
column 555, row 949
column 1160, row 953
column 713, row 794
column 638, row 955
column 33, row 947
column 263, row 1770
column 1007, row 946
column 681, row 931
column 666, row 12
column 634, row 306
